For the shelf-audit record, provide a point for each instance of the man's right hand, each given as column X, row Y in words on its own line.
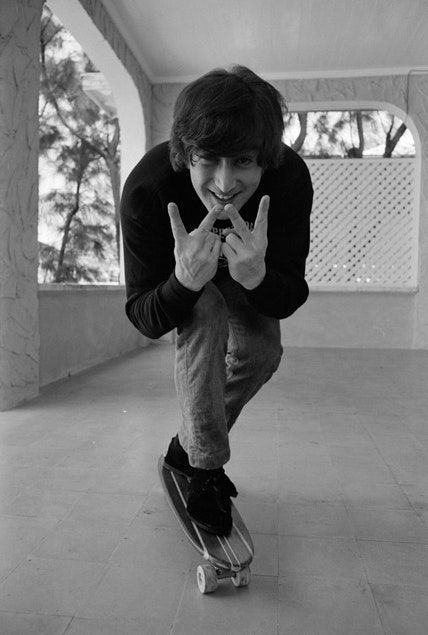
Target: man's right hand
column 196, row 254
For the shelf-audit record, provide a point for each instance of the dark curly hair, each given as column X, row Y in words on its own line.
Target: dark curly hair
column 226, row 112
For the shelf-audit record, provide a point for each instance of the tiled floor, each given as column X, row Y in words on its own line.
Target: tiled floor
column 331, row 462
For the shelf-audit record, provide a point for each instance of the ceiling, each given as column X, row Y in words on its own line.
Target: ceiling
column 178, row 40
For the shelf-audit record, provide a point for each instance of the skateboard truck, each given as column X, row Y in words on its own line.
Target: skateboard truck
column 207, row 577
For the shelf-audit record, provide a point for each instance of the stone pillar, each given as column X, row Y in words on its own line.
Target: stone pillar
column 19, row 90
column 418, row 109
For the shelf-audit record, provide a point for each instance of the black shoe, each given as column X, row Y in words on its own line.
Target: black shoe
column 176, row 459
column 208, row 503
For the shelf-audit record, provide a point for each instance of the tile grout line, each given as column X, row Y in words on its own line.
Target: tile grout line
column 417, row 511
column 180, row 603
column 354, row 537
column 67, row 628
column 378, row 609
column 369, row 585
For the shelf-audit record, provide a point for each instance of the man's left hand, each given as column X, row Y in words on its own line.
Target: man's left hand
column 244, row 249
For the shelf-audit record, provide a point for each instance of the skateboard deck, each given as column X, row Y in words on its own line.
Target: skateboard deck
column 227, row 556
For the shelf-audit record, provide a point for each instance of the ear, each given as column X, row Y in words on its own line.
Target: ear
column 188, row 159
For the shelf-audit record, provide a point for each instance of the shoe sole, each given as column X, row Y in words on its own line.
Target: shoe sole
column 216, row 531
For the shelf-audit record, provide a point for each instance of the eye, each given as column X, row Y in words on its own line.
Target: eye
column 204, row 158
column 245, row 161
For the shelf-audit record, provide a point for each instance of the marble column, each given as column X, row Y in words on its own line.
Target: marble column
column 19, row 90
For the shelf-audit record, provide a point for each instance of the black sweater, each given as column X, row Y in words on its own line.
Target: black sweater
column 156, row 301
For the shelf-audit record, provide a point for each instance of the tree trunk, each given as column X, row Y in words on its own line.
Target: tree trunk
column 59, row 274
column 114, row 172
column 303, row 120
column 391, row 141
column 83, row 159
column 357, row 152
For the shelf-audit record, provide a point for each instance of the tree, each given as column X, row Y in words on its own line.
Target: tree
column 83, row 144
column 343, row 133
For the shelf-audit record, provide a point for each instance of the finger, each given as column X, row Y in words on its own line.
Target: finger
column 216, row 248
column 211, row 239
column 234, row 242
column 262, row 214
column 237, row 220
column 178, row 229
column 209, row 220
column 229, row 230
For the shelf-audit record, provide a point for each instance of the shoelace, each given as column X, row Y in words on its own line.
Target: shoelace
column 225, row 485
column 221, row 483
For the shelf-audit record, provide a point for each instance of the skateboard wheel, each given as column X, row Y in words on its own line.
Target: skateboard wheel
column 242, row 578
column 206, row 576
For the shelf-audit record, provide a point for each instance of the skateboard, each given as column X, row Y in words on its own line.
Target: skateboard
column 226, row 556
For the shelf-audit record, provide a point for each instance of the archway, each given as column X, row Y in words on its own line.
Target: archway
column 126, row 96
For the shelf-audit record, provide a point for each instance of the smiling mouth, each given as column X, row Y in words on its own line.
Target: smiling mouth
column 224, row 199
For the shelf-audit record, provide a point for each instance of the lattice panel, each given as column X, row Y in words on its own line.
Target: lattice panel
column 364, row 223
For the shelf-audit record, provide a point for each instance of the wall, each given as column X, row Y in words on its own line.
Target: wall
column 353, row 319
column 81, row 326
column 360, row 319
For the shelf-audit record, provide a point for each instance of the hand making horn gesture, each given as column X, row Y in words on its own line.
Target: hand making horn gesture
column 196, row 254
column 245, row 249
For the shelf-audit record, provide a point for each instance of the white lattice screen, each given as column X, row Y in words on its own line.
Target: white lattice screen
column 364, row 223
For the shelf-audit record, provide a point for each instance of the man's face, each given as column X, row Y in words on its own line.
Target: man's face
column 222, row 180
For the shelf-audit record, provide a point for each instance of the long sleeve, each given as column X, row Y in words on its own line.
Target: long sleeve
column 156, row 302
column 284, row 288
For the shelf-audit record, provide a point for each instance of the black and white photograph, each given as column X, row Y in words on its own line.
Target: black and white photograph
column 213, row 317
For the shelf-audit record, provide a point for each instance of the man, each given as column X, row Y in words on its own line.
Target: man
column 216, row 233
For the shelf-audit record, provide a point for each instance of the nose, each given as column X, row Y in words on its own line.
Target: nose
column 225, row 178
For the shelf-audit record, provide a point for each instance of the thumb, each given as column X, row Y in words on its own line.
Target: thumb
column 227, row 250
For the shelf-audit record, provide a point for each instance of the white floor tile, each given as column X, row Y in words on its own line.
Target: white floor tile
column 331, row 463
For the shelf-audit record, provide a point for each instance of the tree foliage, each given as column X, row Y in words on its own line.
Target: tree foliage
column 79, row 147
column 347, row 134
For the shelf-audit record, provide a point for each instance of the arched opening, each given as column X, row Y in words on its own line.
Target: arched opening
column 79, row 164
column 125, row 94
